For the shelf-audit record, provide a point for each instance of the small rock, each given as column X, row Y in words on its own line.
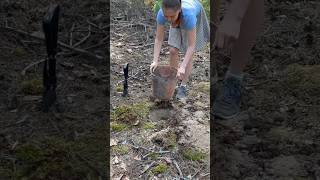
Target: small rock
column 168, row 160
column 14, row 111
column 200, row 104
column 99, row 16
column 185, row 113
column 113, row 142
column 137, row 157
column 39, row 34
column 181, row 128
column 69, row 100
column 115, row 160
column 251, row 140
column 123, row 166
column 129, row 51
column 199, row 114
column 67, row 65
column 31, row 98
column 80, row 74
column 70, row 78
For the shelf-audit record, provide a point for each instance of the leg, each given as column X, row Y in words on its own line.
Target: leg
column 250, row 27
column 188, row 72
column 174, row 57
column 227, row 104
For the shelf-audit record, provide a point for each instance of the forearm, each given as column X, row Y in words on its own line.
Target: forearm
column 238, row 9
column 188, row 56
column 156, row 49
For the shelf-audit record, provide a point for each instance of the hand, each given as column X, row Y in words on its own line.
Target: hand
column 153, row 66
column 181, row 72
column 227, row 33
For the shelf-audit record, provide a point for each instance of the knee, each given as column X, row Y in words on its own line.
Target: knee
column 173, row 51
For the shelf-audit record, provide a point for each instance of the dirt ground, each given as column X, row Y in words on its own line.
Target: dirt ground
column 68, row 142
column 276, row 136
column 165, row 142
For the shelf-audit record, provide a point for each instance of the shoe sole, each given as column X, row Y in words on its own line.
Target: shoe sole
column 225, row 117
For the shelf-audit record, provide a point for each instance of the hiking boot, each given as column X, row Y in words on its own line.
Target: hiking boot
column 181, row 92
column 227, row 104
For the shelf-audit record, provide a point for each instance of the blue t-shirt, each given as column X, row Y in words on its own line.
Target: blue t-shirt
column 190, row 10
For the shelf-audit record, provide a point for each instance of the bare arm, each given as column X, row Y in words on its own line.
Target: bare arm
column 229, row 29
column 158, row 42
column 191, row 47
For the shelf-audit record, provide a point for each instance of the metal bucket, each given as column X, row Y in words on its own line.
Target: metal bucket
column 164, row 82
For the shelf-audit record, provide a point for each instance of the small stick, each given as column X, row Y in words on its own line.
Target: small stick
column 177, row 166
column 23, row 72
column 85, row 38
column 204, row 175
column 81, row 51
column 148, row 167
column 196, row 173
column 71, row 34
column 92, row 24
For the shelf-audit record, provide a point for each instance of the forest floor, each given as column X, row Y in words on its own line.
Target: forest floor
column 276, row 136
column 69, row 141
column 149, row 140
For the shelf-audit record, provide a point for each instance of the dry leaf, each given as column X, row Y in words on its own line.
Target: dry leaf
column 129, row 51
column 113, row 142
column 115, row 160
column 137, row 157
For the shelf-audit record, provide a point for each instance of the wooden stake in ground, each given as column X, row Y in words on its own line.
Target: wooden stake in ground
column 50, row 28
column 125, row 83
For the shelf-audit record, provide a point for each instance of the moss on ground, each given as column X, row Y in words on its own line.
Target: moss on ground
column 302, row 81
column 121, row 149
column 149, row 126
column 19, row 51
column 203, row 87
column 58, row 158
column 130, row 113
column 153, row 156
column 32, row 86
column 117, row 127
column 160, row 168
column 119, row 88
column 193, row 154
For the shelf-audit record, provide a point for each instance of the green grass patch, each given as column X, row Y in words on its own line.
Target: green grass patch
column 193, row 154
column 149, row 125
column 203, row 87
column 117, row 127
column 130, row 113
column 172, row 140
column 160, row 168
column 19, row 51
column 121, row 149
column 119, row 88
column 302, row 81
column 58, row 158
column 33, row 86
column 154, row 155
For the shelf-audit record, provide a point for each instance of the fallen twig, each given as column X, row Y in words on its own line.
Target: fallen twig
column 81, row 51
column 23, row 72
column 71, row 34
column 85, row 38
column 147, row 167
column 204, row 175
column 196, row 173
column 177, row 166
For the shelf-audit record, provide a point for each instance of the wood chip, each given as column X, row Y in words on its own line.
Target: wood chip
column 113, row 142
